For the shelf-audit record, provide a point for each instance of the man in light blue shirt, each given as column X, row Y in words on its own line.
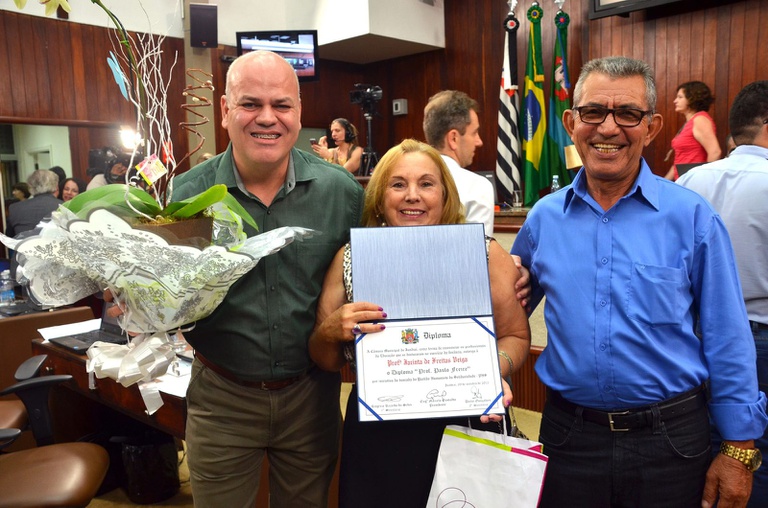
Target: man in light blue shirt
column 627, row 262
column 737, row 188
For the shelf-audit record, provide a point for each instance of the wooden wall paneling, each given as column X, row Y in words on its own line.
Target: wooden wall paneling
column 91, row 85
column 78, row 69
column 696, row 50
column 762, row 40
column 735, row 63
column 749, row 55
column 219, row 71
column 723, row 55
column 77, row 147
column 707, row 39
column 39, row 43
column 16, row 65
column 62, row 82
column 107, row 101
column 6, row 76
column 29, row 67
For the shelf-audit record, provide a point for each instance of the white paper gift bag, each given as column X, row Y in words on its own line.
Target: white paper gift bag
column 481, row 469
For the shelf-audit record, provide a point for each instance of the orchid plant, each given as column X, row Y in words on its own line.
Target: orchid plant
column 136, row 66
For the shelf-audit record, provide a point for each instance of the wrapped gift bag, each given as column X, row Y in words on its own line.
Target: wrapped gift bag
column 481, row 469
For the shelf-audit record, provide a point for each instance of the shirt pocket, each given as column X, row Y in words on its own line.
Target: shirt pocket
column 656, row 294
column 313, row 258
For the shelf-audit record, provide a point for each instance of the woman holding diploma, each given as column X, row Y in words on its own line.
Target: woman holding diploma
column 391, row 463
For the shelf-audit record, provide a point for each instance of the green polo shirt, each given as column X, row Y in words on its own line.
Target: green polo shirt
column 260, row 330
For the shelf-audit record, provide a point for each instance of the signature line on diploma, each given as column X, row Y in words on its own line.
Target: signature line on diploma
column 390, row 398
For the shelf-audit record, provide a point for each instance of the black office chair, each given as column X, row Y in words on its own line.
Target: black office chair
column 13, row 413
column 51, row 475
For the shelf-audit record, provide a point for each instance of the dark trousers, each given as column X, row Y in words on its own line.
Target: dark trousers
column 663, row 465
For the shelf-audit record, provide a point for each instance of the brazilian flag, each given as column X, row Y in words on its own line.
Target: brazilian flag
column 533, row 131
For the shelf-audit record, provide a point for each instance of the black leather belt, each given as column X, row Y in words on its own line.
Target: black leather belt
column 757, row 326
column 635, row 418
column 262, row 385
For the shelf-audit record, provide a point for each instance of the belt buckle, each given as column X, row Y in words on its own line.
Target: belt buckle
column 611, row 422
column 264, row 386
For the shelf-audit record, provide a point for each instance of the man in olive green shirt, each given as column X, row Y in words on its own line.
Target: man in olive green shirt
column 254, row 390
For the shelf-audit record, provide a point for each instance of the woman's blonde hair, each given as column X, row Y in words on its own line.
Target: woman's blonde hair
column 373, row 210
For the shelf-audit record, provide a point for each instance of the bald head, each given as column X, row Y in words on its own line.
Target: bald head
column 261, row 59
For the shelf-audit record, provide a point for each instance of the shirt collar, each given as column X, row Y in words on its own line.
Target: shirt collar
column 759, row 151
column 646, row 187
column 288, row 185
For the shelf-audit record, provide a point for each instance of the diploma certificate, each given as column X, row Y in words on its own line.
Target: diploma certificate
column 429, row 369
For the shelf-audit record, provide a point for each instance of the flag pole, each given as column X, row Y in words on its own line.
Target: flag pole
column 508, row 154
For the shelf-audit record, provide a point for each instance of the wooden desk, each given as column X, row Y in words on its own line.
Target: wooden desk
column 18, row 332
column 170, row 418
column 510, row 220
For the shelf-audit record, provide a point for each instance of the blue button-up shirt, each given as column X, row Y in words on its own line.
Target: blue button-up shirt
column 623, row 289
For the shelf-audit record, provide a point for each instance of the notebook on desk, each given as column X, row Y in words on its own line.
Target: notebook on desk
column 109, row 331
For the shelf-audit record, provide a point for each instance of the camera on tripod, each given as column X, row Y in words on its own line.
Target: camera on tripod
column 365, row 95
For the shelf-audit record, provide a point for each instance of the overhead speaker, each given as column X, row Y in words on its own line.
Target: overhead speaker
column 203, row 28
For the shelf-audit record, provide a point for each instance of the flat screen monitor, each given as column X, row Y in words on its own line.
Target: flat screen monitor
column 298, row 47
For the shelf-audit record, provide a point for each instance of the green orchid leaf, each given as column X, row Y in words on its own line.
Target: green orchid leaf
column 111, row 197
column 234, row 205
column 198, row 203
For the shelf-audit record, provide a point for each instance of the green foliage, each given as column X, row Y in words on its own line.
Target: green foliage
column 114, row 198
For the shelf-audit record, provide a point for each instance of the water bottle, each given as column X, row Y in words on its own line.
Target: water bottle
column 6, row 288
column 555, row 184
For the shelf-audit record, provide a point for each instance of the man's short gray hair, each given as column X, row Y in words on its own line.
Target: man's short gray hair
column 618, row 67
column 42, row 181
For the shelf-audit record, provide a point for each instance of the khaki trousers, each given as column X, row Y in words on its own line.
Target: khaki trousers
column 230, row 428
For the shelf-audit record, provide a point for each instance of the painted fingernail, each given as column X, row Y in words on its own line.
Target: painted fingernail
column 383, row 314
column 383, row 327
column 380, row 309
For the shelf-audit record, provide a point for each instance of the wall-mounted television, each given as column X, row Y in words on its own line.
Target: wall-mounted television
column 298, row 47
column 604, row 8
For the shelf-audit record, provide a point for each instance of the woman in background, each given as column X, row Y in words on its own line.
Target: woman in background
column 347, row 152
column 697, row 140
column 411, row 186
column 20, row 191
column 71, row 188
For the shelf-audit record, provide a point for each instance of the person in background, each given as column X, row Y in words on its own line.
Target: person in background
column 737, row 188
column 254, row 391
column 203, row 157
column 452, row 126
column 348, row 152
column 630, row 263
column 71, row 188
column 20, row 191
column 411, row 176
column 26, row 215
column 697, row 139
column 59, row 171
column 117, row 163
